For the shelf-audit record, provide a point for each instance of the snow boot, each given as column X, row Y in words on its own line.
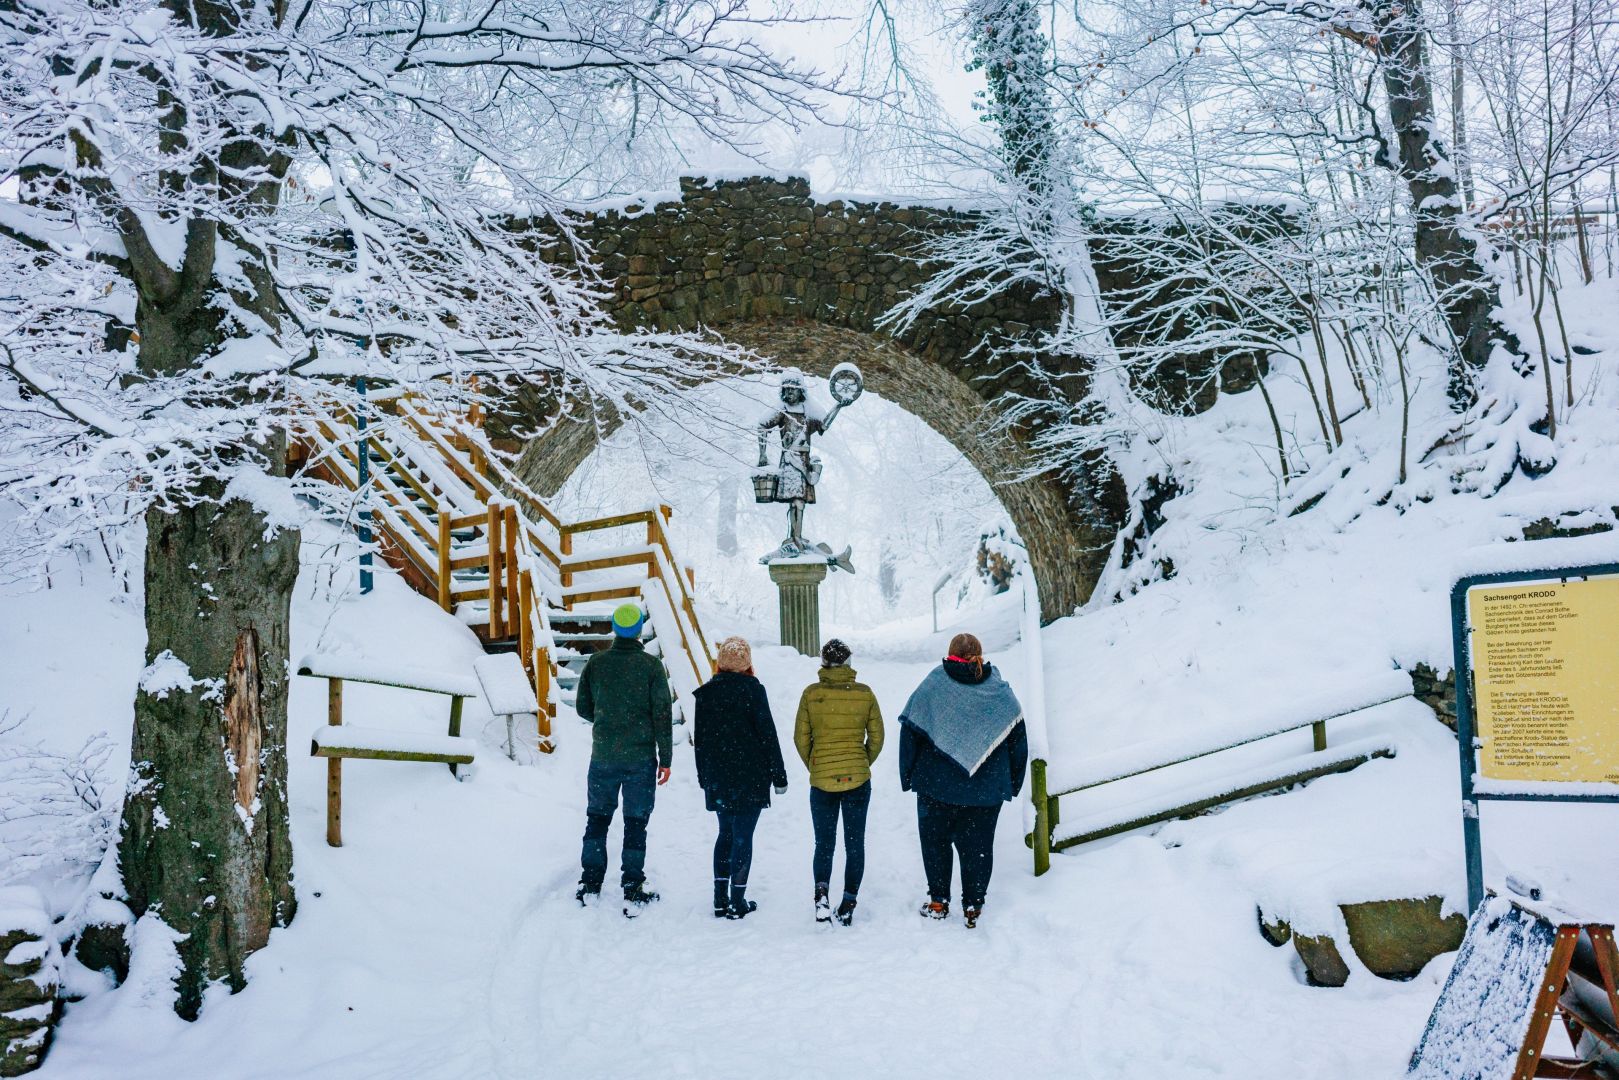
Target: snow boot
column 971, row 914
column 636, row 898
column 722, row 898
column 588, row 891
column 936, row 909
column 823, row 906
column 740, row 907
column 845, row 912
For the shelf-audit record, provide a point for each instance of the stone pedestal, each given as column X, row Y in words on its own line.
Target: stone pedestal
column 798, row 586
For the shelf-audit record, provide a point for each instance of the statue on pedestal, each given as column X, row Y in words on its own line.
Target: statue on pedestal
column 797, row 470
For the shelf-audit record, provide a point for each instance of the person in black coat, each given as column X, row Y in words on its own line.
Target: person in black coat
column 738, row 761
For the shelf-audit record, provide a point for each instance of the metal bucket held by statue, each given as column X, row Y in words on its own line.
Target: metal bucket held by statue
column 764, row 487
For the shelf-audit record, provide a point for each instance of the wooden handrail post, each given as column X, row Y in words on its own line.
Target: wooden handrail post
column 1042, row 816
column 494, row 526
column 334, row 767
column 565, row 549
column 444, row 558
column 1318, row 734
column 509, row 520
column 542, row 694
column 525, row 630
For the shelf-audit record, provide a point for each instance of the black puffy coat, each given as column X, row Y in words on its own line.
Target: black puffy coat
column 734, row 736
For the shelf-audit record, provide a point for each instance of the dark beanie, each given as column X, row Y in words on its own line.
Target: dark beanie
column 835, row 653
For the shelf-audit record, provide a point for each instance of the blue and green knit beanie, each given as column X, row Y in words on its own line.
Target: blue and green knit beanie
column 627, row 620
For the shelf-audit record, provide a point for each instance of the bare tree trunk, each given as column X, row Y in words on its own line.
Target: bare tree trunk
column 1458, row 102
column 1468, row 294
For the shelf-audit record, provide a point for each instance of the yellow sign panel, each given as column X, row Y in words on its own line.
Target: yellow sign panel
column 1546, row 679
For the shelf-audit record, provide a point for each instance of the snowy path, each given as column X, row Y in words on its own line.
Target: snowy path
column 442, row 941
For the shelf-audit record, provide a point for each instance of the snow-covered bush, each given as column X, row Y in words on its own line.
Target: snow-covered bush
column 58, row 811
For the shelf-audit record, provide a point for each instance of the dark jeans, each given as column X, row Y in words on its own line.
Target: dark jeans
column 824, row 809
column 971, row 831
column 733, row 851
column 638, row 783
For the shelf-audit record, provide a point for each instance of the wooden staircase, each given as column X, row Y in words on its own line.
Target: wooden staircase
column 460, row 528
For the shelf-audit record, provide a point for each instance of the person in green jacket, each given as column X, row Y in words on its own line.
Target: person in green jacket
column 624, row 694
column 839, row 734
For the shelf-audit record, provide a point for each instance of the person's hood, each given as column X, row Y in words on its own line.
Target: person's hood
column 836, row 676
column 968, row 674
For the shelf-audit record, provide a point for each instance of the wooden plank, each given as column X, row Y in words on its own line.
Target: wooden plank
column 444, row 582
column 625, row 593
column 451, row 684
column 609, row 562
column 335, row 755
column 497, row 573
column 1545, row 1007
column 525, row 627
column 455, row 728
column 542, row 691
column 334, row 768
column 1271, row 733
column 1296, row 777
column 1607, row 956
column 565, row 542
column 615, row 522
column 508, row 519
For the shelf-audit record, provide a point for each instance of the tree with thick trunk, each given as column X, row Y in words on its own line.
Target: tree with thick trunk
column 166, row 290
column 1468, row 294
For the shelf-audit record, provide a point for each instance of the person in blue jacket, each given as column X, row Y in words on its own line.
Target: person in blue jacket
column 963, row 750
column 738, row 761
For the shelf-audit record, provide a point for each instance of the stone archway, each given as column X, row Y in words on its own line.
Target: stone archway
column 1065, row 553
column 805, row 283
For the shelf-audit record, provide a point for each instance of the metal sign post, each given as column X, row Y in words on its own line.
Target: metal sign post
column 1537, row 692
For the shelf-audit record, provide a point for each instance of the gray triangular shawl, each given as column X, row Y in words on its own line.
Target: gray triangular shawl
column 966, row 721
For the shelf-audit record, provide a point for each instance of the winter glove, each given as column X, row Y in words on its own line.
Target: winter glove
column 781, row 789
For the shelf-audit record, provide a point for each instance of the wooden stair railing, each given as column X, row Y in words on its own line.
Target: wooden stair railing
column 444, row 505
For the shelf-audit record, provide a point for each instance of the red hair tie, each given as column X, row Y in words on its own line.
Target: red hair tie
column 965, row 659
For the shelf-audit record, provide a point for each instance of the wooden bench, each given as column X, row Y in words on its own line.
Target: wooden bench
column 339, row 740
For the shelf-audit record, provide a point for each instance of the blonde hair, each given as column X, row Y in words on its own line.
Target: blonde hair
column 734, row 654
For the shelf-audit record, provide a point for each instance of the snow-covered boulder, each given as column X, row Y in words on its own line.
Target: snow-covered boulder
column 30, row 972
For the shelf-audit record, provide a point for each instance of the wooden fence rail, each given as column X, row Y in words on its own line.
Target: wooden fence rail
column 1195, row 797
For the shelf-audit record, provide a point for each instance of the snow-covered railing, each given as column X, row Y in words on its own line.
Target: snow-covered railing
column 1206, row 792
column 440, row 481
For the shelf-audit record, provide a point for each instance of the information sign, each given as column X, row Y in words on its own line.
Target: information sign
column 1537, row 692
column 1546, row 679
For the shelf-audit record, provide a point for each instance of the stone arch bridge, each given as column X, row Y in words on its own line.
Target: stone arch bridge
column 805, row 282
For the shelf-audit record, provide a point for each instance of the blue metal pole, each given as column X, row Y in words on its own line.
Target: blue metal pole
column 1462, row 667
column 365, row 491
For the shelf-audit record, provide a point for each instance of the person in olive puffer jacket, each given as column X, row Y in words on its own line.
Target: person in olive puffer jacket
column 839, row 733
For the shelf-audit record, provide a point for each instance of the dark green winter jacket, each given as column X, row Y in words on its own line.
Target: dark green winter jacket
column 624, row 693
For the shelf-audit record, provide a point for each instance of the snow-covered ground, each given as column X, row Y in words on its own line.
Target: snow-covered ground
column 442, row 940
